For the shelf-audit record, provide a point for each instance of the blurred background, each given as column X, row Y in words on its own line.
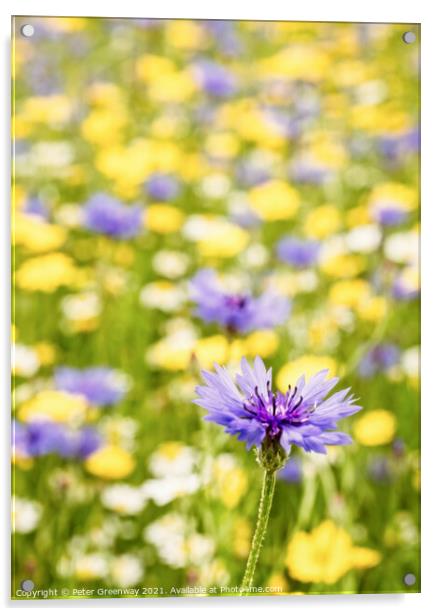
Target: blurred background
column 284, row 158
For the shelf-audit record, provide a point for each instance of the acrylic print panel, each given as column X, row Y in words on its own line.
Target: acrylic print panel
column 215, row 308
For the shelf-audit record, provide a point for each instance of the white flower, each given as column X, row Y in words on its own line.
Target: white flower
column 82, row 306
column 170, row 263
column 165, row 490
column 162, row 295
column 402, row 247
column 410, row 362
column 215, row 186
column 90, row 566
column 123, row 498
column 172, row 459
column 365, row 238
column 25, row 515
column 25, row 361
column 126, row 570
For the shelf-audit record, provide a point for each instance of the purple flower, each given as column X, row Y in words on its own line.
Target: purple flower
column 390, row 215
column 292, row 471
column 104, row 214
column 304, row 170
column 36, row 207
column 162, row 186
column 379, row 358
column 100, row 385
column 250, row 410
column 41, row 438
column 297, row 252
column 236, row 311
column 214, row 78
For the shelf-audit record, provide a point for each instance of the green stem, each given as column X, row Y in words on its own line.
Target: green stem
column 265, row 502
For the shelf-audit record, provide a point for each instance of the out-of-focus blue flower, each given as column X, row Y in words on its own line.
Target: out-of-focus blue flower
column 305, row 170
column 298, row 252
column 36, row 207
column 395, row 147
column 251, row 172
column 390, row 216
column 249, row 409
column 380, row 470
column 214, row 78
column 162, row 186
column 236, row 312
column 402, row 289
column 104, row 214
column 378, row 359
column 40, row 438
column 100, row 385
column 292, row 471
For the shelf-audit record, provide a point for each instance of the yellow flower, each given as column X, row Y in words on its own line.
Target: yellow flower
column 263, row 343
column 375, row 428
column 373, row 309
column 296, row 62
column 306, row 365
column 358, row 216
column 104, row 126
column 224, row 145
column 46, row 353
column 185, row 34
column 222, row 239
column 326, row 554
column 349, row 293
column 343, row 266
column 279, row 582
column 58, row 406
column 36, row 235
column 241, row 537
column 274, row 200
column 48, row 273
column 322, row 222
column 232, row 486
column 175, row 87
column 210, row 350
column 110, row 462
column 48, row 110
column 163, row 218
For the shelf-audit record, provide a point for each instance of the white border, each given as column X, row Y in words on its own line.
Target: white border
column 422, row 11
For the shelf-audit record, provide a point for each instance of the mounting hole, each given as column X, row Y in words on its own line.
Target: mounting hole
column 409, row 37
column 409, row 579
column 27, row 30
column 27, row 585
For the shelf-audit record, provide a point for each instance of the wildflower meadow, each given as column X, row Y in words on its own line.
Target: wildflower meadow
column 215, row 360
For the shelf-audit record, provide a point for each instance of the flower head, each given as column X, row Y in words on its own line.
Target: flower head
column 99, row 385
column 251, row 410
column 236, row 311
column 104, row 214
column 297, row 252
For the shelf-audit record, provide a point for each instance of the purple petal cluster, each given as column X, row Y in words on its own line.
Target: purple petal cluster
column 298, row 252
column 100, row 385
column 379, row 358
column 236, row 312
column 162, row 186
column 104, row 214
column 249, row 408
column 40, row 438
column 214, row 78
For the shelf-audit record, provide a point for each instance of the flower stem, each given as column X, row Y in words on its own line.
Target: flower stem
column 265, row 502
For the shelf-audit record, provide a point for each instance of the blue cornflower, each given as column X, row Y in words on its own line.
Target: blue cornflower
column 104, row 214
column 238, row 312
column 162, row 186
column 379, row 358
column 40, row 438
column 100, row 385
column 298, row 252
column 214, row 78
column 254, row 413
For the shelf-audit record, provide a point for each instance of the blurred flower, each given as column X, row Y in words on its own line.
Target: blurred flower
column 104, row 214
column 26, row 515
column 274, row 200
column 236, row 312
column 39, row 438
column 163, row 218
column 91, row 566
column 47, row 273
column 25, row 360
column 82, row 310
column 349, row 293
column 379, row 358
column 326, row 554
column 297, row 252
column 170, row 263
column 36, row 235
column 163, row 295
column 254, row 413
column 215, row 236
column 126, row 570
column 322, row 221
column 306, row 365
column 110, row 462
column 230, row 480
column 99, row 385
column 214, row 78
column 390, row 203
column 162, row 187
column 123, row 499
column 406, row 285
column 172, row 458
column 166, row 489
column 364, row 239
column 51, row 405
column 410, row 364
column 292, row 471
column 375, row 428
column 402, row 247
column 380, row 470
